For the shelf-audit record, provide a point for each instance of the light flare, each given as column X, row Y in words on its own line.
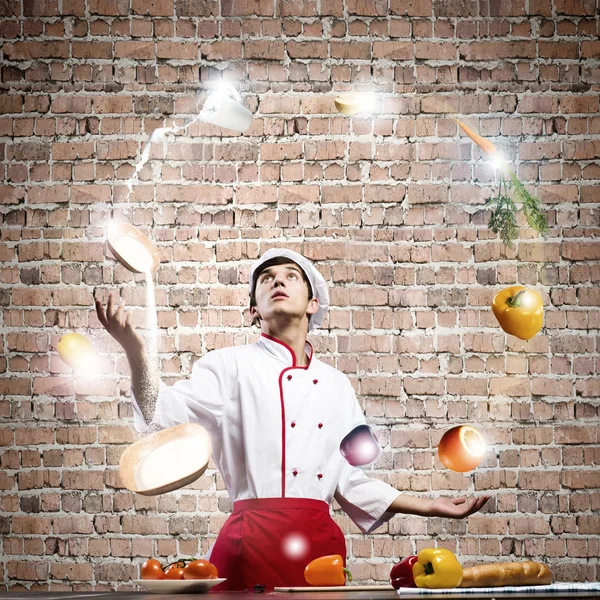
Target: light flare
column 498, row 161
column 77, row 352
column 295, row 546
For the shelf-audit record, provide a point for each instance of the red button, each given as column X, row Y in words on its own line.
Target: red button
column 320, row 425
column 293, row 424
column 294, row 472
column 320, row 475
column 289, row 377
column 315, row 381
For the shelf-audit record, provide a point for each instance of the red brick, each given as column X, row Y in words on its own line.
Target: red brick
column 83, row 251
column 494, row 50
column 461, row 386
column 381, row 386
column 589, row 388
column 109, row 7
column 71, row 571
column 28, row 151
column 72, row 150
column 411, row 8
column 197, row 8
column 279, row 104
column 221, row 50
column 581, row 150
column 135, row 50
column 177, row 50
column 509, row 386
column 112, row 104
column 114, row 571
column 298, row 194
column 558, row 50
column 572, row 479
column 115, row 150
column 262, row 8
column 575, row 7
column 304, row 49
column 38, row 479
column 576, row 435
column 435, row 50
column 428, row 386
column 324, row 150
column 393, row 50
column 539, row 150
column 92, row 50
column 264, row 50
column 72, row 524
column 341, row 194
column 116, row 435
column 35, row 50
column 350, row 50
column 144, row 525
column 15, row 386
column 154, row 8
column 83, row 480
column 29, row 570
column 384, row 193
column 590, row 49
column 537, row 480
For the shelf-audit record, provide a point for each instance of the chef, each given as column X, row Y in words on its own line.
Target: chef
column 276, row 415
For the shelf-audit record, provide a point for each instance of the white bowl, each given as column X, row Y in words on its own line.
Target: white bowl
column 178, row 586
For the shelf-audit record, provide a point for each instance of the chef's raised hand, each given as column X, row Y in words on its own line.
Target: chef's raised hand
column 118, row 323
column 456, row 508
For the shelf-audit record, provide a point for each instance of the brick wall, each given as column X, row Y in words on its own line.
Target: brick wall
column 390, row 208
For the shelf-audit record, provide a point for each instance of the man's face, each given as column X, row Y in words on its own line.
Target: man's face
column 282, row 294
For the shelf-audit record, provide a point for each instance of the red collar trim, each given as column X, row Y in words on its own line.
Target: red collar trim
column 290, row 350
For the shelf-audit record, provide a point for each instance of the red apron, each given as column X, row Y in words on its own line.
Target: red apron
column 269, row 541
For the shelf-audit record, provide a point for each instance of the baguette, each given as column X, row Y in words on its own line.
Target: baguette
column 510, row 573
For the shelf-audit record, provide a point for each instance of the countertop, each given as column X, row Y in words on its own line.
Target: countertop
column 342, row 595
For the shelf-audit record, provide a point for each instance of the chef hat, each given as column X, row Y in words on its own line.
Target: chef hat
column 317, row 282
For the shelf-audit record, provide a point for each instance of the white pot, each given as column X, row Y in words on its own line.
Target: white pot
column 221, row 110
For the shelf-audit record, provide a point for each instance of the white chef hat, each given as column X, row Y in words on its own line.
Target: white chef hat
column 317, row 282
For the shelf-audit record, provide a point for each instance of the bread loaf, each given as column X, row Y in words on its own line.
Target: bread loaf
column 510, row 573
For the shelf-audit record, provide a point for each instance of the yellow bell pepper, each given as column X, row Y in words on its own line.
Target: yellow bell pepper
column 519, row 311
column 437, row 568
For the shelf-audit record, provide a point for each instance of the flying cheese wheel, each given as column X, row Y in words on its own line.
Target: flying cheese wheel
column 352, row 104
column 76, row 351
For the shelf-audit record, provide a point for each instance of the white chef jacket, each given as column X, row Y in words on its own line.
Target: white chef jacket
column 276, row 427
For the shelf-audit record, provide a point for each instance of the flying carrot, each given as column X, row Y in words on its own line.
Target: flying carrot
column 484, row 144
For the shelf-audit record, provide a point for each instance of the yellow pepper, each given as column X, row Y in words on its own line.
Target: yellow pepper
column 437, row 568
column 519, row 311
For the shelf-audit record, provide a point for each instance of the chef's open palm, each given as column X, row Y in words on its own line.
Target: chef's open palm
column 457, row 508
column 118, row 323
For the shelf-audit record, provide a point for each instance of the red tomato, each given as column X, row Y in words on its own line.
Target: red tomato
column 152, row 569
column 200, row 569
column 174, row 572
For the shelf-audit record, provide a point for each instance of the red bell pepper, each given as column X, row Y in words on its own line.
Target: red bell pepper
column 402, row 574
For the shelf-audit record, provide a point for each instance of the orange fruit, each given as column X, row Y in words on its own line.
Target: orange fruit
column 461, row 448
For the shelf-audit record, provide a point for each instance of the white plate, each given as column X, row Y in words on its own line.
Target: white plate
column 178, row 586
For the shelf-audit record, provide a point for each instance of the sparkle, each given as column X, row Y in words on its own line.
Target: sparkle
column 295, row 546
column 498, row 161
